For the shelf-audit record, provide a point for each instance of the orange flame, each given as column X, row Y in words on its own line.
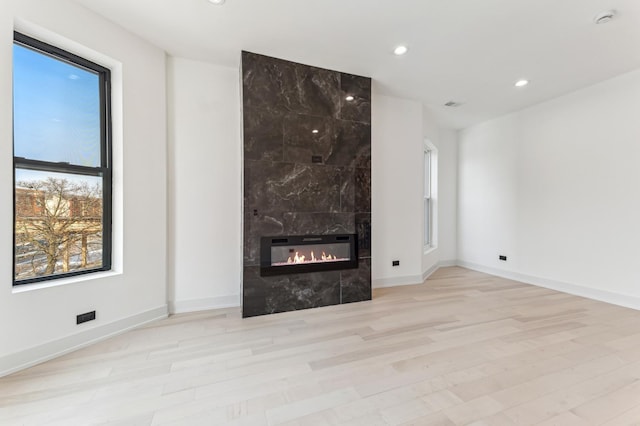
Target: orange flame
column 298, row 258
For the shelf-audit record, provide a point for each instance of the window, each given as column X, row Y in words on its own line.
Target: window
column 429, row 195
column 62, row 163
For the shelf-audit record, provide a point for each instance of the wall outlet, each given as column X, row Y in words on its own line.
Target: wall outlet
column 89, row 316
column 502, row 257
column 395, row 263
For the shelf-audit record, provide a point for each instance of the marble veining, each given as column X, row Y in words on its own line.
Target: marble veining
column 356, row 283
column 307, row 170
column 291, row 187
column 263, row 133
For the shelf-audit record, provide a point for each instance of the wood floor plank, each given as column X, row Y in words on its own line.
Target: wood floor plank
column 463, row 348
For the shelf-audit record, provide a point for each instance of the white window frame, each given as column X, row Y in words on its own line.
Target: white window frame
column 430, row 196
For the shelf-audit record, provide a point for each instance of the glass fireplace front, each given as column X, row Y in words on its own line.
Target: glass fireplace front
column 309, row 253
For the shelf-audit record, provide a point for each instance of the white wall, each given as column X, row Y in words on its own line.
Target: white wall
column 396, row 191
column 556, row 188
column 446, row 141
column 399, row 128
column 205, row 170
column 39, row 323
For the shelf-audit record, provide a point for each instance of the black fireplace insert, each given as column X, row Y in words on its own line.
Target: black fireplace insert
column 297, row 254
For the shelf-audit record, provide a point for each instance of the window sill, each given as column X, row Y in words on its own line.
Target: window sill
column 64, row 281
column 430, row 249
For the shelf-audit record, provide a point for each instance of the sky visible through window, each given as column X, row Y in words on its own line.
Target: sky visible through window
column 56, row 110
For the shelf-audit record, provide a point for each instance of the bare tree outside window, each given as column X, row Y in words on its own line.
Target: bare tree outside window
column 58, row 226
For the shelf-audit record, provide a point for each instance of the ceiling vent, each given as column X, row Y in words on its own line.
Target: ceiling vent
column 453, row 104
column 604, row 17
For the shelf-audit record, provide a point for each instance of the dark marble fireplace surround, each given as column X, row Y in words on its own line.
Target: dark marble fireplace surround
column 301, row 182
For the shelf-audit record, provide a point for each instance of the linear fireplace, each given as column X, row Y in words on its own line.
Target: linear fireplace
column 308, row 253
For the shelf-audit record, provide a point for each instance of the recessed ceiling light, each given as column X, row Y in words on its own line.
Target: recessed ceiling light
column 314, row 131
column 521, row 83
column 349, row 98
column 400, row 50
column 217, row 2
column 604, row 17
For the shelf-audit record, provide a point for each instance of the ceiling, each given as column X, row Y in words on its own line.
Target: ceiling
column 468, row 51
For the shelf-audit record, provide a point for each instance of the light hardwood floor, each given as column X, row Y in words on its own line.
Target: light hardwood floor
column 465, row 348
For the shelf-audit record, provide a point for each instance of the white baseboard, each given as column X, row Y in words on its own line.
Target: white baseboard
column 411, row 279
column 426, row 274
column 575, row 289
column 37, row 354
column 397, row 281
column 194, row 305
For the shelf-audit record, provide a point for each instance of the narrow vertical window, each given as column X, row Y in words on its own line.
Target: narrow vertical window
column 430, row 195
column 427, row 198
column 62, row 163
